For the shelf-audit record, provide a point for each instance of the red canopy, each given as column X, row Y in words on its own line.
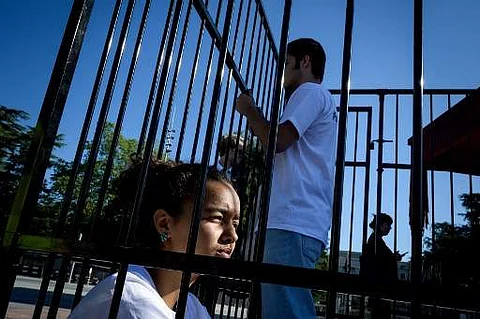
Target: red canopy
column 452, row 141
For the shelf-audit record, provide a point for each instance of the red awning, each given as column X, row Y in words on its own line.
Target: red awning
column 452, row 141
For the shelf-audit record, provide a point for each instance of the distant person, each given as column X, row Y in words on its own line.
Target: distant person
column 378, row 263
column 231, row 152
column 164, row 224
column 300, row 211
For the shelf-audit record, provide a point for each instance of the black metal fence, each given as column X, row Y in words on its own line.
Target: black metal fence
column 206, row 53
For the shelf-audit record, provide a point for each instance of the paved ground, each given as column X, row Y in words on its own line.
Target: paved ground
column 25, row 311
column 25, row 294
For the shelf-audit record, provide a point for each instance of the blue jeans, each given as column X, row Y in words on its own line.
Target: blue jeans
column 290, row 249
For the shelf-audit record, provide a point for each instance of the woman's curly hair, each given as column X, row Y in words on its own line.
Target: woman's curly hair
column 168, row 186
column 382, row 218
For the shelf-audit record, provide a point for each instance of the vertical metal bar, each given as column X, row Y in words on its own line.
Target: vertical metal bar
column 204, row 90
column 381, row 118
column 42, row 144
column 42, row 293
column 209, row 135
column 222, row 118
column 153, row 87
column 432, row 175
column 395, row 198
column 173, row 88
column 367, row 175
column 268, row 75
column 340, row 158
column 352, row 203
column 416, row 221
column 255, row 64
column 79, row 289
column 58, row 290
column 452, row 205
column 126, row 232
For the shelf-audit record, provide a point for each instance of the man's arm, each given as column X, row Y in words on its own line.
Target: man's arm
column 287, row 133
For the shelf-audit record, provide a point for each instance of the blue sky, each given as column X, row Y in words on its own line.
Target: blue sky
column 382, row 58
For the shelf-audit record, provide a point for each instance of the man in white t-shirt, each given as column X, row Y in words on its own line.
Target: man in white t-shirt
column 300, row 210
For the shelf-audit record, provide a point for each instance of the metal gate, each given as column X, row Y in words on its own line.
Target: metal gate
column 205, row 54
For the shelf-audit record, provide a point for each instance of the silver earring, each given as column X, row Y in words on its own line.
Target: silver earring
column 163, row 236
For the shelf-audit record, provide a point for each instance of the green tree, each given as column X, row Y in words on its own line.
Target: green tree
column 450, row 258
column 14, row 140
column 62, row 172
column 320, row 297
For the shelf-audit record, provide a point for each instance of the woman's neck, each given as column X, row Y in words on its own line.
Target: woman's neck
column 168, row 283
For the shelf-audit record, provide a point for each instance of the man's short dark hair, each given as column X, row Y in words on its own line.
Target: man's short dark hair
column 306, row 46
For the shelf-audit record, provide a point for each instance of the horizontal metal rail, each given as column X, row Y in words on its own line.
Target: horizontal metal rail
column 272, row 273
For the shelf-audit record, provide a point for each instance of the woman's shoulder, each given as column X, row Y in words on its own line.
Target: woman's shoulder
column 139, row 298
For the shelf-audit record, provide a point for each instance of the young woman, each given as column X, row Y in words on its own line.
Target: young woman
column 164, row 223
column 378, row 264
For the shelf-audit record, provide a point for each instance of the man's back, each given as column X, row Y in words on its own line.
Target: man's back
column 302, row 190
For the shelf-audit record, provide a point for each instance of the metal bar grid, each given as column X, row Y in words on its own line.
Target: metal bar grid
column 219, row 42
column 392, row 166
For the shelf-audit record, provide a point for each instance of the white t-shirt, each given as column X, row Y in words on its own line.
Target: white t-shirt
column 302, row 185
column 140, row 299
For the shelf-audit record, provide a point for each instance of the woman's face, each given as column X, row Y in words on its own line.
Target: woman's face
column 217, row 230
column 385, row 228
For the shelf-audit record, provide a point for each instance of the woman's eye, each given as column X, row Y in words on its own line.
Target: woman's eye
column 217, row 219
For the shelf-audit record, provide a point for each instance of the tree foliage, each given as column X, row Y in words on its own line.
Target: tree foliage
column 15, row 138
column 450, row 257
column 63, row 171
